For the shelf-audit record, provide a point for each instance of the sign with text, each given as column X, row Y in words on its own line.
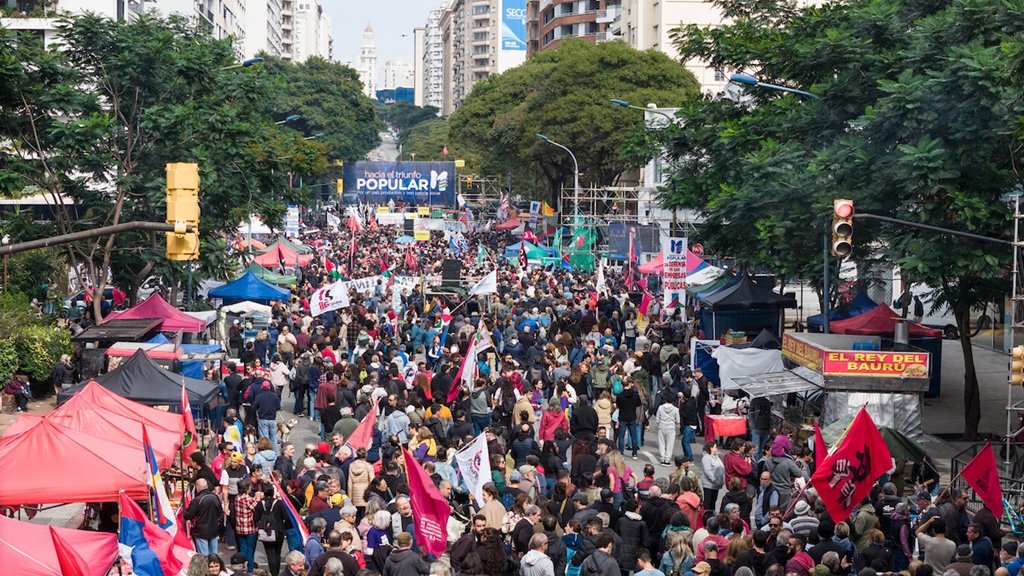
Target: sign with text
column 673, row 275
column 802, row 353
column 513, row 25
column 876, row 364
column 416, row 183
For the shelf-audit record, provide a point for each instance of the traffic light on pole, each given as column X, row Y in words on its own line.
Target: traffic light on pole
column 1017, row 366
column 842, row 227
column 183, row 211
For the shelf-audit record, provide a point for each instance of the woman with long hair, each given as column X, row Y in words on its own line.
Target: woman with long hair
column 619, row 475
column 712, row 474
column 492, row 554
column 677, row 554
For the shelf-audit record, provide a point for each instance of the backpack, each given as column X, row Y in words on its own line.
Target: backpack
column 616, row 385
column 266, row 529
column 570, row 568
column 677, row 568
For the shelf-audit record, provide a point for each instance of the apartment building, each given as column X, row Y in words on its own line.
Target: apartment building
column 306, row 31
column 552, row 20
column 428, row 61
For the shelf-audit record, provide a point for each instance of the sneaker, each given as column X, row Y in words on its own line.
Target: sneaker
column 634, row 456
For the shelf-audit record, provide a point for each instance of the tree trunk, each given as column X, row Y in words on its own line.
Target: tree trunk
column 972, row 394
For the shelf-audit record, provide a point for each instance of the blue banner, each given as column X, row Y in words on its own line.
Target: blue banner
column 513, row 25
column 414, row 183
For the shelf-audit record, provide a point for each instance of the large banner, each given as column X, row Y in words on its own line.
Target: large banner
column 673, row 275
column 410, row 182
column 647, row 239
column 513, row 25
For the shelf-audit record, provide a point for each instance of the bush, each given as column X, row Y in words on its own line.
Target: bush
column 8, row 360
column 39, row 348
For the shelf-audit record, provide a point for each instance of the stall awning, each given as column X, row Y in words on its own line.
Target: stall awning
column 772, row 384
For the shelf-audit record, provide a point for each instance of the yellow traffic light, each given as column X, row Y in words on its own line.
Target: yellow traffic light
column 1017, row 366
column 183, row 211
column 842, row 227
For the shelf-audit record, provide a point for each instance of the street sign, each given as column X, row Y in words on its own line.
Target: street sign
column 697, row 249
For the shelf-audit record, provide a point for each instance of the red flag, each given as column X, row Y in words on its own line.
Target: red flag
column 182, row 538
column 444, row 150
column 191, row 441
column 362, row 436
column 410, row 260
column 982, row 474
column 645, row 303
column 845, row 476
column 642, row 283
column 71, row 564
column 353, row 223
column 429, row 509
column 328, row 265
column 820, row 448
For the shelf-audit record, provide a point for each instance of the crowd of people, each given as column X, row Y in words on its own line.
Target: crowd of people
column 571, row 385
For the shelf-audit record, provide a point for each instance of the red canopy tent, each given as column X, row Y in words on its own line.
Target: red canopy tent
column 79, row 414
column 879, row 321
column 280, row 254
column 95, row 395
column 28, row 549
column 508, row 225
column 654, row 266
column 94, row 469
column 156, row 307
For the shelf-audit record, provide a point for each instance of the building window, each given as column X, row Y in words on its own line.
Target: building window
column 549, row 15
column 565, row 30
column 592, row 28
column 719, row 75
column 478, row 36
column 549, row 37
column 593, row 5
column 481, row 9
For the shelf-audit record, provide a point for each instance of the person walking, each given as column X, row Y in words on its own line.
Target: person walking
column 666, row 422
column 712, row 475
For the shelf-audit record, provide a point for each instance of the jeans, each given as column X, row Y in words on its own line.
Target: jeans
column 666, row 438
column 758, row 438
column 268, row 429
column 21, row 399
column 480, row 421
column 294, row 539
column 300, row 399
column 247, row 548
column 634, row 435
column 688, row 436
column 206, row 547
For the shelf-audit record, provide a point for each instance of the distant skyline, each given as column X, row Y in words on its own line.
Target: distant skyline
column 390, row 20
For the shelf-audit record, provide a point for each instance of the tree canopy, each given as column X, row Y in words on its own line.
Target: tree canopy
column 918, row 117
column 564, row 93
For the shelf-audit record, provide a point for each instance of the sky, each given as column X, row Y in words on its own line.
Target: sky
column 390, row 20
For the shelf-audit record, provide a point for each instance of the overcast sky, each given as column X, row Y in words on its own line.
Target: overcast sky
column 390, row 20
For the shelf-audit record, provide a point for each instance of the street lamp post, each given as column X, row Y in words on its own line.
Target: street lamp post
column 290, row 118
column 243, row 64
column 576, row 215
column 653, row 109
column 748, row 80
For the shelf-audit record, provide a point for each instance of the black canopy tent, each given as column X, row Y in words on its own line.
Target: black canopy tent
column 140, row 379
column 743, row 306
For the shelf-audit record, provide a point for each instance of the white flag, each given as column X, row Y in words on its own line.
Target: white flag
column 601, row 285
column 487, row 285
column 333, row 221
column 475, row 465
column 329, row 297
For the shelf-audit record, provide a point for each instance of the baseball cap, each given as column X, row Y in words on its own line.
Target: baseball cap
column 580, row 497
column 337, row 499
column 515, row 476
column 237, row 457
column 702, row 568
column 924, row 495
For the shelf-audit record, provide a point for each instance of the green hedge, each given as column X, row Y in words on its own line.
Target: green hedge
column 8, row 360
column 39, row 348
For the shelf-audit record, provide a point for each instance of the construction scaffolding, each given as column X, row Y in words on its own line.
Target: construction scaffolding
column 480, row 190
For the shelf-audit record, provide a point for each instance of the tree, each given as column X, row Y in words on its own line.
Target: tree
column 912, row 122
column 96, row 122
column 565, row 93
column 403, row 117
column 427, row 140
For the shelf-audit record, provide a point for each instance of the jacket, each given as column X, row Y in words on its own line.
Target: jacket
column 536, row 563
column 783, row 470
column 266, row 459
column 667, row 417
column 712, row 472
column 360, row 474
column 629, row 405
column 207, row 511
column 600, row 563
column 584, row 420
column 405, row 563
column 550, row 421
column 604, row 408
column 634, row 534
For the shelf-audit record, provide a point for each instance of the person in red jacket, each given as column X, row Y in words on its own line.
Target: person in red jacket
column 738, row 462
column 551, row 420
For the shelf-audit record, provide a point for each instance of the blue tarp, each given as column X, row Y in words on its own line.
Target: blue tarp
column 190, row 368
column 249, row 287
column 859, row 305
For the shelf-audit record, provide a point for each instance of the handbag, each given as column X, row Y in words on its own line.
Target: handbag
column 266, row 531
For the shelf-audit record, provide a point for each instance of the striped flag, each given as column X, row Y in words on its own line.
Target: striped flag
column 293, row 514
column 160, row 503
column 191, row 441
column 467, row 371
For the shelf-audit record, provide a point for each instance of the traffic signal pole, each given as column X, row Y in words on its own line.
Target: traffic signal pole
column 62, row 239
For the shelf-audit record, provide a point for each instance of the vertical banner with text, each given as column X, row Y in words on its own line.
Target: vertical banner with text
column 673, row 275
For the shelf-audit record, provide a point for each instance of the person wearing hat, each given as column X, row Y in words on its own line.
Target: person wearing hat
column 803, row 522
column 962, row 563
column 583, row 511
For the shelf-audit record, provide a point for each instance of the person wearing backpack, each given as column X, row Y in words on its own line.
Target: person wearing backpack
column 270, row 527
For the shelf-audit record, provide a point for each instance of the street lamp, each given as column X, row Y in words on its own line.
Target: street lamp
column 748, row 80
column 575, row 173
column 5, row 241
column 652, row 108
column 291, row 118
column 243, row 64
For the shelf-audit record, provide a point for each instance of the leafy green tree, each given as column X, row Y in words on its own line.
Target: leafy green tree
column 96, row 122
column 565, row 93
column 918, row 103
column 428, row 139
column 403, row 117
column 329, row 99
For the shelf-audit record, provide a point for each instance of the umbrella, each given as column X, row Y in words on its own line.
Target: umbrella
column 900, row 447
column 404, row 239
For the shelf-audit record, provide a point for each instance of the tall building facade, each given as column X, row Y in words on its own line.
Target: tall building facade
column 552, row 20
column 263, row 28
column 479, row 38
column 367, row 66
column 397, row 74
column 307, row 31
column 428, row 61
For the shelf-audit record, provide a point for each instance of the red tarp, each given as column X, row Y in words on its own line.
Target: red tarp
column 82, row 415
column 279, row 254
column 28, row 550
column 880, row 321
column 156, row 307
column 654, row 266
column 96, row 395
column 91, row 469
column 508, row 225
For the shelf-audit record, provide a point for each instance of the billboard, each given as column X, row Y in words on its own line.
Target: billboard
column 647, row 237
column 414, row 183
column 673, row 275
column 513, row 25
